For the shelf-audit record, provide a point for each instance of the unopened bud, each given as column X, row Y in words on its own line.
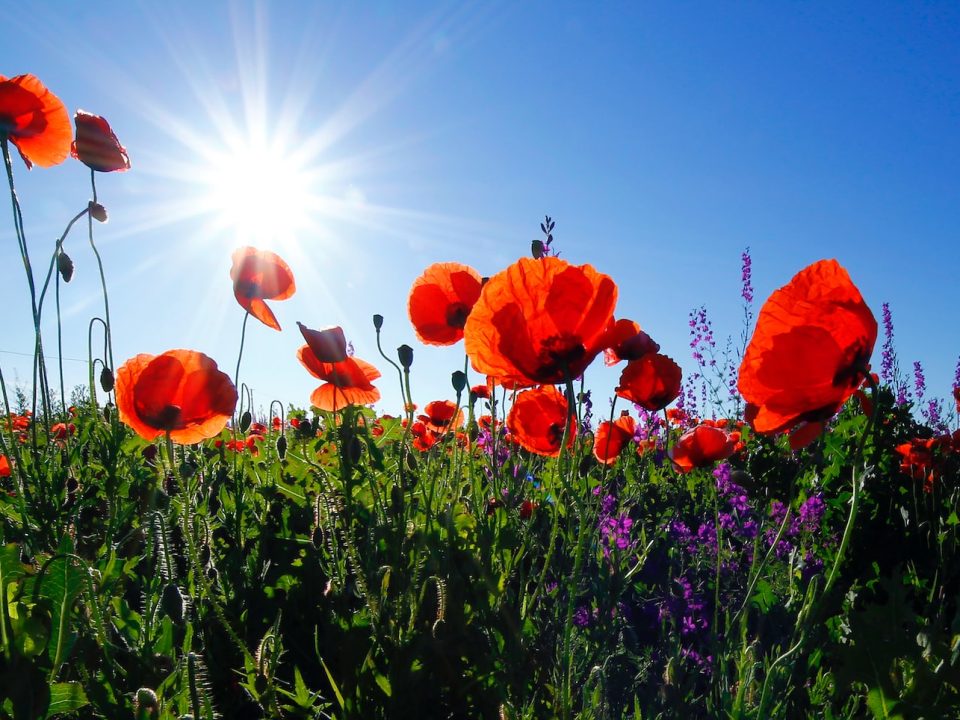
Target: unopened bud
column 146, row 704
column 459, row 381
column 97, row 211
column 281, row 447
column 377, row 322
column 106, row 379
column 245, row 421
column 65, row 266
column 536, row 248
column 405, row 353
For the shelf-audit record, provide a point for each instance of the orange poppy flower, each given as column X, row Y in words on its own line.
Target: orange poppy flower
column 540, row 321
column 626, row 341
column 442, row 416
column 612, row 438
column 700, row 447
column 181, row 392
column 440, row 301
column 537, row 419
column 35, row 120
column 348, row 382
column 809, row 352
column 480, row 392
column 4, row 466
column 652, row 382
column 260, row 275
column 97, row 146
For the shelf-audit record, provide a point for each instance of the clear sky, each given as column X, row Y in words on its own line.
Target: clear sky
column 364, row 141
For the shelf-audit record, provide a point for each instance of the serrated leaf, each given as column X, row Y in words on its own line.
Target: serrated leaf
column 62, row 584
column 66, row 697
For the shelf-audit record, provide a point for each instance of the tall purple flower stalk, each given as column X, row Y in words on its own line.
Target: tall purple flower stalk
column 746, row 275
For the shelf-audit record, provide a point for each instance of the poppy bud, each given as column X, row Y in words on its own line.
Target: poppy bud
column 405, row 353
column 145, row 704
column 459, row 380
column 245, row 421
column 377, row 322
column 282, row 447
column 106, row 413
column 97, row 211
column 65, row 266
column 536, row 248
column 106, row 379
column 172, row 603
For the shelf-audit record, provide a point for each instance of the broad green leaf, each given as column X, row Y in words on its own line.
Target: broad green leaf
column 66, row 697
column 62, row 584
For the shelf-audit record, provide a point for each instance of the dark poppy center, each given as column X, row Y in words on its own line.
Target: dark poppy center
column 248, row 288
column 168, row 418
column 852, row 372
column 555, row 435
column 562, row 352
column 457, row 314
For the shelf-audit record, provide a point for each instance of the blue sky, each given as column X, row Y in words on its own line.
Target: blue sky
column 663, row 138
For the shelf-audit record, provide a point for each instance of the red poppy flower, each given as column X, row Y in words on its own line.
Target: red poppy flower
column 626, row 341
column 440, row 301
column 181, row 392
column 700, row 447
column 348, row 382
column 652, row 382
column 4, row 466
column 35, row 120
column 809, row 352
column 97, row 146
column 481, row 392
column 540, row 321
column 442, row 416
column 260, row 275
column 328, row 345
column 537, row 419
column 424, row 437
column 612, row 438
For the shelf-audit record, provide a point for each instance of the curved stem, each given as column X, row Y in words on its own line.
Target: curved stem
column 103, row 279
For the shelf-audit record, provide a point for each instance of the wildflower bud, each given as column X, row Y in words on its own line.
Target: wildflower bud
column 106, row 379
column 65, row 266
column 377, row 322
column 459, row 380
column 172, row 603
column 106, row 413
column 405, row 353
column 536, row 248
column 145, row 704
column 245, row 421
column 97, row 211
column 282, row 447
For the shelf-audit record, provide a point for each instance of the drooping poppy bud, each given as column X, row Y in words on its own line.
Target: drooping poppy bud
column 245, row 421
column 65, row 266
column 97, row 211
column 106, row 379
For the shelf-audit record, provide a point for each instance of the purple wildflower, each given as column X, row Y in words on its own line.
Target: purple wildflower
column 888, row 357
column 581, row 616
column 919, row 381
column 746, row 274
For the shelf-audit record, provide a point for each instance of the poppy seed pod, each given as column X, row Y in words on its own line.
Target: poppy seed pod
column 405, row 354
column 97, row 211
column 377, row 322
column 65, row 266
column 459, row 381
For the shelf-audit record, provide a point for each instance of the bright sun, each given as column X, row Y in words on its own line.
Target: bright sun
column 257, row 191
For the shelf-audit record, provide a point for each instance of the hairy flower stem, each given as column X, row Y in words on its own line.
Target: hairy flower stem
column 103, row 279
column 39, row 366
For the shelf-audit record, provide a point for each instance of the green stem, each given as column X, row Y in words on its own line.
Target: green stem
column 103, row 279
